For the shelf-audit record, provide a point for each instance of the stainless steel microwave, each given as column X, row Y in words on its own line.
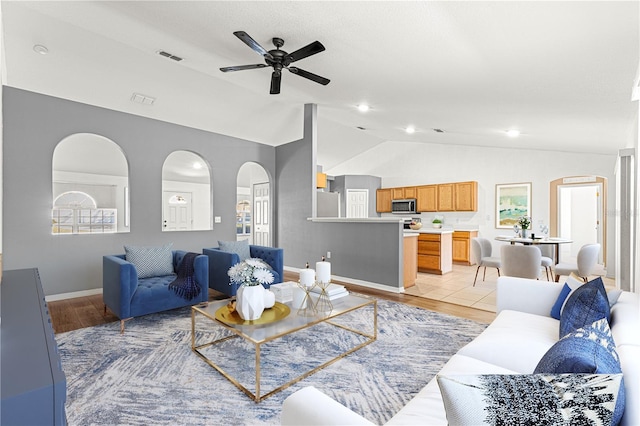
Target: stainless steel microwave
column 403, row 206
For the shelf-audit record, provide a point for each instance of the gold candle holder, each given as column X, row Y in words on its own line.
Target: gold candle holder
column 323, row 304
column 307, row 308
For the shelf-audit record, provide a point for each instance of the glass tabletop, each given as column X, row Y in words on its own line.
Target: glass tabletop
column 289, row 324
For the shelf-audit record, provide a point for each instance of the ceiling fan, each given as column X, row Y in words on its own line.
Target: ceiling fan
column 279, row 59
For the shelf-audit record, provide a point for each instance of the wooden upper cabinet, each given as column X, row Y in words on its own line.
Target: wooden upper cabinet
column 397, row 193
column 383, row 200
column 466, row 196
column 427, row 198
column 410, row 192
column 446, row 192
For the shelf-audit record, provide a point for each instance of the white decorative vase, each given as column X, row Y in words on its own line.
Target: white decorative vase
column 250, row 301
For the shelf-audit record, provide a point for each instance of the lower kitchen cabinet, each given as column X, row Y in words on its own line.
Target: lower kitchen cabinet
column 410, row 261
column 462, row 246
column 434, row 252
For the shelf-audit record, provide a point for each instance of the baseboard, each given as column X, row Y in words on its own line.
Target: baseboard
column 72, row 295
column 354, row 281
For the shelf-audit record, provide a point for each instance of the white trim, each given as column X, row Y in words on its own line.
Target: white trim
column 357, row 282
column 72, row 295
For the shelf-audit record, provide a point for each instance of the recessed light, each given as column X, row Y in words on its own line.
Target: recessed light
column 513, row 133
column 38, row 48
column 197, row 165
column 363, row 107
column 410, row 130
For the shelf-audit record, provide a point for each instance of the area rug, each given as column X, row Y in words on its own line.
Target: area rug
column 149, row 375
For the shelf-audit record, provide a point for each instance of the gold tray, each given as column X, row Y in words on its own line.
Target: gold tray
column 276, row 313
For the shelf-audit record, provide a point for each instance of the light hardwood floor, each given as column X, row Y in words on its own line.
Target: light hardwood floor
column 80, row 312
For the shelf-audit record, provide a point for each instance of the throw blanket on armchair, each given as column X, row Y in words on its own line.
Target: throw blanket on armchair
column 185, row 283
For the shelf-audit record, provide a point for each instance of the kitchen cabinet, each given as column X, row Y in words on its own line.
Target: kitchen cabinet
column 462, row 246
column 446, row 197
column 434, row 253
column 383, row 200
column 397, row 193
column 466, row 196
column 409, row 192
column 427, row 198
column 410, row 260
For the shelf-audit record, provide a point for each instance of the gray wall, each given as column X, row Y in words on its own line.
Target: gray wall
column 363, row 251
column 35, row 123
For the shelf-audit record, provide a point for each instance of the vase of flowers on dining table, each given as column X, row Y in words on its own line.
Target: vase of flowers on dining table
column 524, row 222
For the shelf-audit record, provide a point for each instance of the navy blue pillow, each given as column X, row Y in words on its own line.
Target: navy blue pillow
column 587, row 304
column 590, row 350
column 556, row 308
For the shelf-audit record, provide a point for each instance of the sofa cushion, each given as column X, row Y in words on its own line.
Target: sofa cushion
column 241, row 248
column 588, row 303
column 426, row 408
column 150, row 261
column 562, row 399
column 514, row 340
column 625, row 319
column 569, row 287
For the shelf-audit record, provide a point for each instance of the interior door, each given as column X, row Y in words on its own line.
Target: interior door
column 357, row 203
column 580, row 217
column 176, row 211
column 261, row 214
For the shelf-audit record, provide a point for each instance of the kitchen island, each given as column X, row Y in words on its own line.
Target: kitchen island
column 435, row 247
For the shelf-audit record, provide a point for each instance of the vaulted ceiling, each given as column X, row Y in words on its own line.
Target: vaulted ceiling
column 560, row 72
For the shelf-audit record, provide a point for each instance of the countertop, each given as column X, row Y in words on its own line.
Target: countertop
column 429, row 231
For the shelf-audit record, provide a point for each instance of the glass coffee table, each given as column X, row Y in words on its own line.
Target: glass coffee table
column 282, row 321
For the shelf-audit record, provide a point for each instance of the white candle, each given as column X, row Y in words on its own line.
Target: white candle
column 307, row 277
column 324, row 272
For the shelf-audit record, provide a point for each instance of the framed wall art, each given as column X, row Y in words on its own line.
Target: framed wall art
column 512, row 201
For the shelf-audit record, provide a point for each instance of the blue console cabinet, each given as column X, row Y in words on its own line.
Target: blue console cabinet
column 33, row 385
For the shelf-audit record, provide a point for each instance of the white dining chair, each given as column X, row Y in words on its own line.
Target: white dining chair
column 521, row 261
column 481, row 254
column 586, row 262
column 547, row 259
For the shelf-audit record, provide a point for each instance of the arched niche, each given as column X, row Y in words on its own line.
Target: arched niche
column 186, row 193
column 90, row 181
column 253, row 205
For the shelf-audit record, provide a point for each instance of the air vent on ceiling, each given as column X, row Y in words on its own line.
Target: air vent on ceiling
column 142, row 99
column 169, row 55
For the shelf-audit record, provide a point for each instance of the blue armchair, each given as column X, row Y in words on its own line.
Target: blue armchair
column 127, row 296
column 220, row 262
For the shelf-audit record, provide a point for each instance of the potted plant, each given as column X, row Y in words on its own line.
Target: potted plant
column 525, row 223
column 437, row 222
column 252, row 298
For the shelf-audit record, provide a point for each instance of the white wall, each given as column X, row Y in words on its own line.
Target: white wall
column 407, row 164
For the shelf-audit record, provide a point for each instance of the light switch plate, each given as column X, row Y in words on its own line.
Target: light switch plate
column 217, row 219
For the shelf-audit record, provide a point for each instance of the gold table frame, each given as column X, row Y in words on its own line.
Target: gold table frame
column 274, row 331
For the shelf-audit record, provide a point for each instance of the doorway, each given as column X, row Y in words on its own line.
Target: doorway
column 253, row 208
column 577, row 212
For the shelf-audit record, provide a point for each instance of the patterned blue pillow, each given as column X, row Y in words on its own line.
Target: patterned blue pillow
column 241, row 248
column 588, row 303
column 587, row 350
column 150, row 261
column 570, row 286
column 530, row 399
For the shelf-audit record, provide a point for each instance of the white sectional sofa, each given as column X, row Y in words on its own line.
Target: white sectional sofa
column 513, row 343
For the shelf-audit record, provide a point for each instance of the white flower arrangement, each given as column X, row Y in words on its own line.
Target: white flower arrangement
column 250, row 272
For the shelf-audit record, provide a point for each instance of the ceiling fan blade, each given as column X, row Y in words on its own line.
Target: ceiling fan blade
column 276, row 78
column 308, row 50
column 246, row 38
column 242, row 67
column 311, row 76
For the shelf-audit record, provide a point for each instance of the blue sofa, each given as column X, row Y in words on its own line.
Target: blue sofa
column 220, row 262
column 127, row 296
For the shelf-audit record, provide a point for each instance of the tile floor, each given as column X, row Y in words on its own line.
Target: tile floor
column 457, row 287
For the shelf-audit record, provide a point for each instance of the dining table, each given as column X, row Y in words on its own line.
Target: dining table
column 554, row 241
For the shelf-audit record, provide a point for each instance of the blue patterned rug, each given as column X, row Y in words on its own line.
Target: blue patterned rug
column 149, row 375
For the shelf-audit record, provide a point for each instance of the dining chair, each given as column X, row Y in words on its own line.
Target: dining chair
column 586, row 262
column 521, row 261
column 481, row 253
column 547, row 259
